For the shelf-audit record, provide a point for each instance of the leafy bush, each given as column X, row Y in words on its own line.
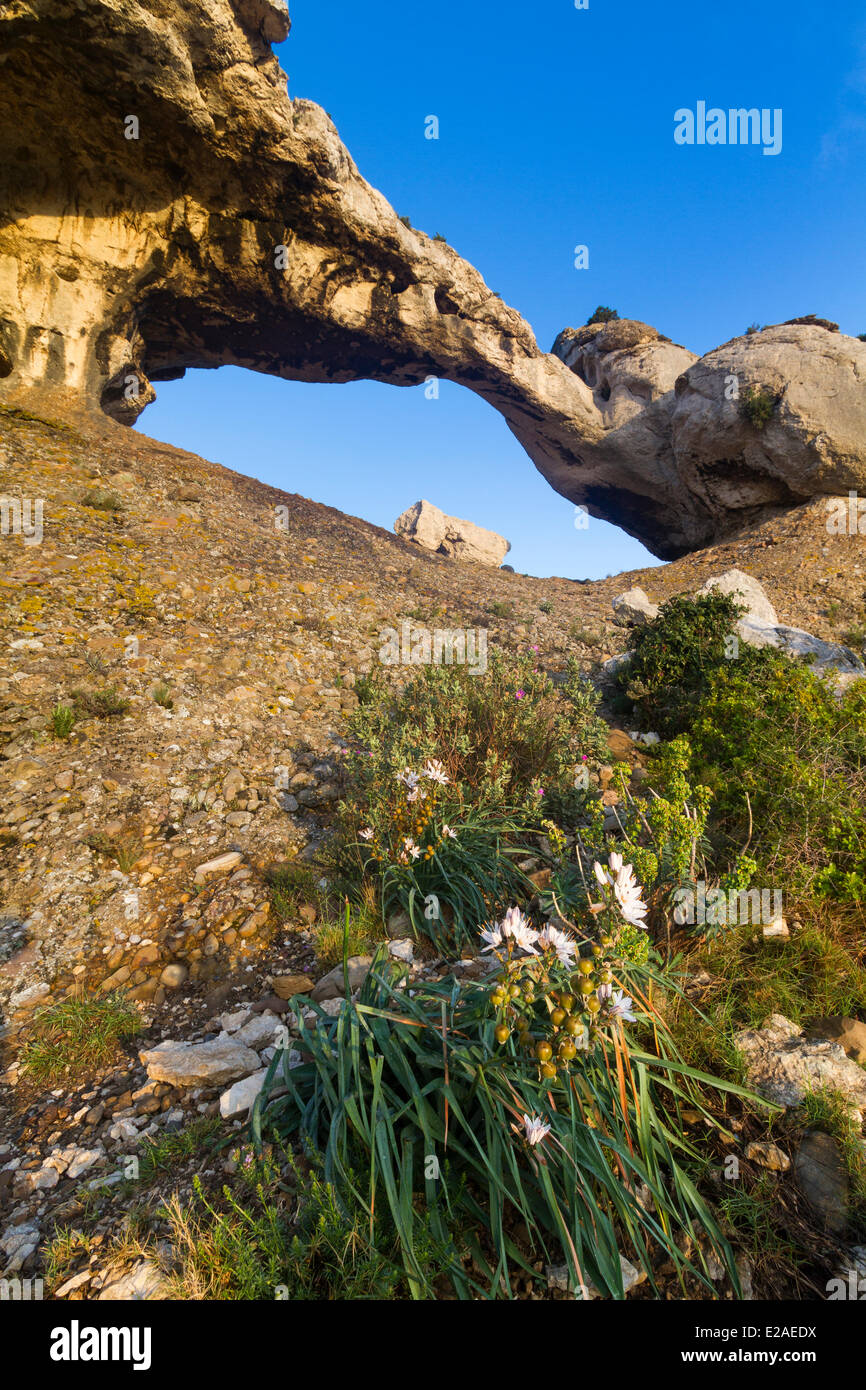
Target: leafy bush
column 498, row 736
column 602, row 315
column 509, row 1122
column 785, row 757
column 757, row 406
column 446, row 781
column 674, row 656
column 284, row 1235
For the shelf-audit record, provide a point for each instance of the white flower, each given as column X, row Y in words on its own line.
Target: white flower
column 448, row 833
column 536, row 1129
column 410, row 847
column 628, row 894
column 626, row 889
column 515, row 926
column 407, row 777
column 621, row 1006
column 561, row 943
column 493, row 937
column 365, row 834
column 434, row 770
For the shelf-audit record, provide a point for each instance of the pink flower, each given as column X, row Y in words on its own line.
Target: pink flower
column 519, row 694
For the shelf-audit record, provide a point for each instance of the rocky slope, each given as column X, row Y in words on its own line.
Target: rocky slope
column 134, row 854
column 258, row 610
column 191, row 214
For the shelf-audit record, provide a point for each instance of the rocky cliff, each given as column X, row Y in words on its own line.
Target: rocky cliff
column 166, row 205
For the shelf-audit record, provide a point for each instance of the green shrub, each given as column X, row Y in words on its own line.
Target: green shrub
column 447, row 779
column 101, row 499
column 100, row 704
column 602, row 315
column 511, row 1121
column 62, row 720
column 498, row 736
column 757, row 406
column 784, row 758
column 674, row 656
column 162, row 695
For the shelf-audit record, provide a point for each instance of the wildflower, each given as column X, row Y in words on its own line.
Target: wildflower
column 365, row 834
column 409, row 778
column 434, row 770
column 515, row 926
column 602, row 874
column 493, row 937
column 621, row 1006
column 410, row 847
column 448, row 833
column 552, row 938
column 628, row 894
column 536, row 1129
column 519, row 694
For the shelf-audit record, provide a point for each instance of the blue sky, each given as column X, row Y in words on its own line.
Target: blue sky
column 556, row 129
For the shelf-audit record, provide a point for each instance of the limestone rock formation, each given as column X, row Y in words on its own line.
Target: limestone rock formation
column 448, row 535
column 166, row 205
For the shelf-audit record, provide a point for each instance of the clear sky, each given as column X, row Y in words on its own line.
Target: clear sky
column 556, row 129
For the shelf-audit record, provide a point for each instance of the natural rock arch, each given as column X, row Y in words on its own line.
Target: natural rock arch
column 166, row 205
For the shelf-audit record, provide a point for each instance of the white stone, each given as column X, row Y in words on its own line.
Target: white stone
column 238, row 1099
column 214, row 1063
column 221, row 865
column 747, row 591
column 635, row 607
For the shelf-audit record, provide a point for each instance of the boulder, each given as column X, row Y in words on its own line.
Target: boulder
column 635, row 607
column 747, row 592
column 448, row 535
column 768, row 1156
column 822, row 1178
column 144, row 1282
column 333, row 985
column 782, row 1064
column 286, row 986
column 212, row 1063
column 825, row 658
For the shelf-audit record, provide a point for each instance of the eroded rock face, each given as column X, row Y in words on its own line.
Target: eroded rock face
column 166, row 205
column 448, row 535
